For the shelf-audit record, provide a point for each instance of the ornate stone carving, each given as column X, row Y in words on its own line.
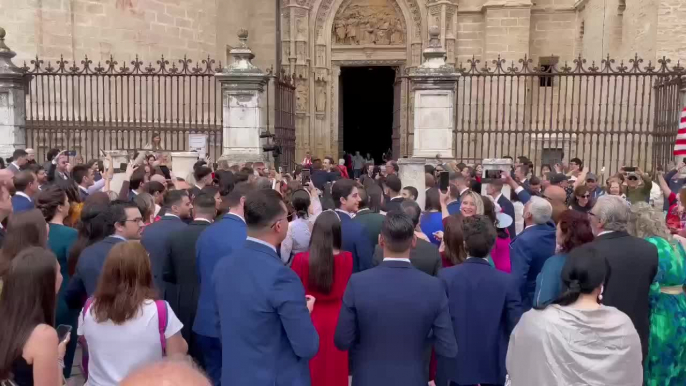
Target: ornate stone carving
column 367, row 22
column 301, row 94
column 325, row 8
column 320, row 101
column 320, row 58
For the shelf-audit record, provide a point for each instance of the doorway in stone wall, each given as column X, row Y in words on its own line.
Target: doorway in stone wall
column 366, row 109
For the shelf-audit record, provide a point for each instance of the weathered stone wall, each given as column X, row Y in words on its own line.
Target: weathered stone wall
column 147, row 28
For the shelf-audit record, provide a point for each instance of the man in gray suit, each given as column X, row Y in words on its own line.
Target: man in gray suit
column 424, row 256
column 19, row 159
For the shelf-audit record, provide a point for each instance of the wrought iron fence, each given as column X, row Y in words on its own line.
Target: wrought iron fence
column 284, row 118
column 609, row 116
column 88, row 108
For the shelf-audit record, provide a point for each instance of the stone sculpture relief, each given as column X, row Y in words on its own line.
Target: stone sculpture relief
column 320, row 102
column 368, row 22
column 301, row 97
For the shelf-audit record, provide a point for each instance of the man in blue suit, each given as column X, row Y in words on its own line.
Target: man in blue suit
column 26, row 187
column 123, row 221
column 494, row 189
column 485, row 307
column 391, row 312
column 346, row 199
column 215, row 242
column 156, row 236
column 458, row 187
column 267, row 334
column 531, row 248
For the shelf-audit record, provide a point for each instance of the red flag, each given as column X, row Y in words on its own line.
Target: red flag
column 680, row 143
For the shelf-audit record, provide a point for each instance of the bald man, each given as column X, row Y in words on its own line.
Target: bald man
column 170, row 372
column 558, row 198
column 554, row 194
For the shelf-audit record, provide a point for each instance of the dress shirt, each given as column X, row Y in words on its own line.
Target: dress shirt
column 97, row 186
column 407, row 260
column 16, row 165
column 203, row 219
column 463, row 190
column 262, row 242
column 23, row 195
column 603, row 232
column 171, row 215
column 118, row 237
column 237, row 215
column 351, row 215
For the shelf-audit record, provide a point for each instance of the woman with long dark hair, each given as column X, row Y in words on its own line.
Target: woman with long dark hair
column 581, row 199
column 124, row 323
column 576, row 340
column 573, row 230
column 452, row 248
column 24, row 230
column 96, row 224
column 53, row 203
column 324, row 271
column 30, row 352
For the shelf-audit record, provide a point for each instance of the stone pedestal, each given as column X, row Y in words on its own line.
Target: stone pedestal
column 13, row 85
column 242, row 86
column 182, row 163
column 497, row 164
column 433, row 84
column 412, row 174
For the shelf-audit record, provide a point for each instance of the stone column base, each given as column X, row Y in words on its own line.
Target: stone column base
column 412, row 174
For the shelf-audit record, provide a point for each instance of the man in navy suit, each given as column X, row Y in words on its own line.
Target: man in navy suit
column 26, row 186
column 83, row 176
column 458, row 187
column 485, row 307
column 494, row 189
column 393, row 188
column 391, row 312
column 156, row 236
column 346, row 199
column 123, row 221
column 215, row 242
column 531, row 248
column 267, row 334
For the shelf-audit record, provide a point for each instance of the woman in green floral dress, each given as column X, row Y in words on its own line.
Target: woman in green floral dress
column 666, row 361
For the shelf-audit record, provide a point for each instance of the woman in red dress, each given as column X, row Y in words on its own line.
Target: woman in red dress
column 324, row 271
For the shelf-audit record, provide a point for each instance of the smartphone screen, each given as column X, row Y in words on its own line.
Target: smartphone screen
column 63, row 331
column 444, row 181
column 123, row 166
column 215, row 166
column 630, row 169
column 305, row 176
column 493, row 174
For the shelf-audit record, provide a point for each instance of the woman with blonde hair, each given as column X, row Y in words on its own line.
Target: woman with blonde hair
column 124, row 324
column 666, row 361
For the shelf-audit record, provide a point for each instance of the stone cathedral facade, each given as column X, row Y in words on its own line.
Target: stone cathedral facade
column 314, row 39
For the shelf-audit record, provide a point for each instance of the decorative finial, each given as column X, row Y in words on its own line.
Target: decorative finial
column 434, row 33
column 3, row 46
column 243, row 37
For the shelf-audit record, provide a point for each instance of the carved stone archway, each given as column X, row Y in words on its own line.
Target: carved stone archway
column 320, row 36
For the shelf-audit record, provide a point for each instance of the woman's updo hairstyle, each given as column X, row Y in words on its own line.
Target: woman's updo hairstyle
column 300, row 199
column 51, row 197
column 585, row 270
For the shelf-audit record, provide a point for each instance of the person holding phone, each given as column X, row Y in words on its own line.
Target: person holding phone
column 31, row 352
column 635, row 192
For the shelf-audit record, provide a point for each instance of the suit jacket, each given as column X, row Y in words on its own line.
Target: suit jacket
column 85, row 279
column 54, row 173
column 485, row 307
column 394, row 203
column 215, row 242
column 372, row 224
column 12, row 168
column 21, row 203
column 157, row 240
column 356, row 241
column 508, row 209
column 528, row 252
column 267, row 334
column 633, row 266
column 180, row 270
column 389, row 314
column 424, row 257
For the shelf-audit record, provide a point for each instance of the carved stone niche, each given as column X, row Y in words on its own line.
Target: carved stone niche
column 369, row 22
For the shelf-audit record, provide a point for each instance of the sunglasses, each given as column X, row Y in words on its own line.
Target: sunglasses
column 632, row 179
column 585, row 196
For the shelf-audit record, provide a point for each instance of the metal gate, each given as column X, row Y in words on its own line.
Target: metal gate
column 284, row 119
column 609, row 116
column 91, row 107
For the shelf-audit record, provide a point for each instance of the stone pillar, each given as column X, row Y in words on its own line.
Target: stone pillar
column 182, row 163
column 412, row 174
column 13, row 86
column 508, row 26
column 433, row 87
column 242, row 87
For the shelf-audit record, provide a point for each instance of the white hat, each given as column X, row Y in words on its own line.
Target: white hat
column 504, row 220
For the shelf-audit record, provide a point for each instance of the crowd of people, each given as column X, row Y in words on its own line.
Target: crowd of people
column 333, row 270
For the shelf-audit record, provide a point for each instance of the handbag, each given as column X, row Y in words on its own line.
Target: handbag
column 162, row 319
